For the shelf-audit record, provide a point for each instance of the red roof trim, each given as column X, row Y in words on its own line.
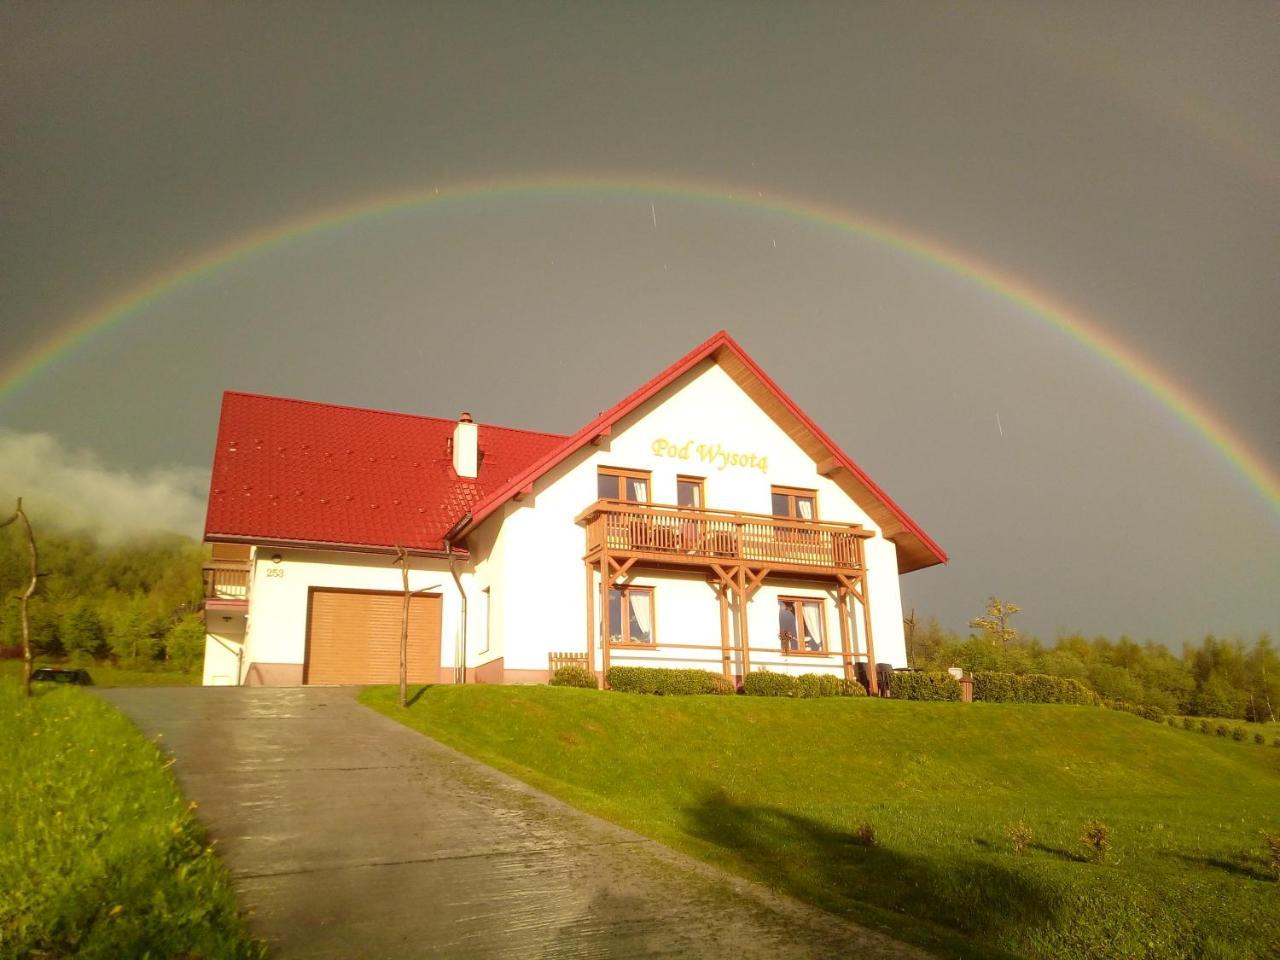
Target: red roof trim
column 605, row 421
column 378, row 548
column 843, row 458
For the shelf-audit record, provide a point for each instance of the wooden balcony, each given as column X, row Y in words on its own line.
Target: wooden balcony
column 684, row 536
column 226, row 580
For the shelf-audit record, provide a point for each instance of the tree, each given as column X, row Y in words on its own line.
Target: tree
column 184, row 644
column 81, row 631
column 24, row 599
column 995, row 625
column 131, row 631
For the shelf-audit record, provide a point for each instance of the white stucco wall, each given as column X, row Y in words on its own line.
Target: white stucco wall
column 279, row 594
column 536, row 564
column 224, row 639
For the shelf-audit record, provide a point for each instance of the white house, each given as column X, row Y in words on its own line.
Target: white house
column 704, row 521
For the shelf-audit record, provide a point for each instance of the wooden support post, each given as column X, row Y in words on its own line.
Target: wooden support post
column 842, row 609
column 725, row 657
column 743, row 633
column 604, row 618
column 871, row 647
column 591, row 622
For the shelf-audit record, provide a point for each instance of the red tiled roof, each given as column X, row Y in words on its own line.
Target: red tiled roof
column 296, row 471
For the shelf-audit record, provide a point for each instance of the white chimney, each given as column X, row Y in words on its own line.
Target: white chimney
column 466, row 444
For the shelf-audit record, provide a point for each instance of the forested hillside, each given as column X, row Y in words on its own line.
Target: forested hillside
column 1213, row 677
column 136, row 602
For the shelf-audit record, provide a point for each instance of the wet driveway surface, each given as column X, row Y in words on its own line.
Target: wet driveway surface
column 351, row 836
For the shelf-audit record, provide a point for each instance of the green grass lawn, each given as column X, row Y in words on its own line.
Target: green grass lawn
column 106, row 675
column 775, row 790
column 100, row 856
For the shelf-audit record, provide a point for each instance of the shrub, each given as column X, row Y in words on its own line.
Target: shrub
column 809, row 685
column 1029, row 688
column 865, row 834
column 184, row 643
column 1238, row 734
column 1220, row 729
column 573, row 675
column 1188, row 723
column 1204, row 726
column 915, row 685
column 762, row 683
column 1259, row 739
column 1097, row 838
column 661, row 682
column 1020, row 835
column 721, row 686
column 852, row 688
column 1171, row 721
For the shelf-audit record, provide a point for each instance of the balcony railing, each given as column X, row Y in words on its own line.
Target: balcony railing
column 687, row 535
column 226, row 580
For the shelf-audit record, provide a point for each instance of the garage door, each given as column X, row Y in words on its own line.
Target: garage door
column 354, row 637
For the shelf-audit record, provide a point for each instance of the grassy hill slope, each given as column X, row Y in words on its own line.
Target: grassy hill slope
column 775, row 790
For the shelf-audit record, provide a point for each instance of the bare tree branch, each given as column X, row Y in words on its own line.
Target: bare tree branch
column 25, row 597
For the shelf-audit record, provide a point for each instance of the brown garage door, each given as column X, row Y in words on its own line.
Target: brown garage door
column 354, row 637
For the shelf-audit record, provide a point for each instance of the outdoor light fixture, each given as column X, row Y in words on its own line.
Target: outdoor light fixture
column 276, row 558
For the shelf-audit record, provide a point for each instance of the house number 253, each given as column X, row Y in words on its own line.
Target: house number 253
column 275, row 572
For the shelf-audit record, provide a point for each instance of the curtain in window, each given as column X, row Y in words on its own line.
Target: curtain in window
column 812, row 619
column 638, row 490
column 641, row 616
column 804, row 508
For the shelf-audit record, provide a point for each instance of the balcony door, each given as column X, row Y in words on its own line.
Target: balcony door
column 798, row 543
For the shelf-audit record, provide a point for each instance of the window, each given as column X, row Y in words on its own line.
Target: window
column 616, row 484
column 801, row 625
column 691, row 492
column 631, row 615
column 792, row 502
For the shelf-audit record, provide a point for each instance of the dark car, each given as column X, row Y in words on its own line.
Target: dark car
column 61, row 675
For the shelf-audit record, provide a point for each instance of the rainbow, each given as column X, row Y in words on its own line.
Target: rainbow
column 1055, row 314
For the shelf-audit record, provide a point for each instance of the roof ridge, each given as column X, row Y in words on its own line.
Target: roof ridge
column 386, row 413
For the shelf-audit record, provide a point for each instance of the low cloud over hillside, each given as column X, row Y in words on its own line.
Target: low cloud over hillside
column 73, row 489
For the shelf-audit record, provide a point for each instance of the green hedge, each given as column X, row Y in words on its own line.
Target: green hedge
column 661, row 682
column 915, row 685
column 762, row 683
column 1028, row 688
column 573, row 676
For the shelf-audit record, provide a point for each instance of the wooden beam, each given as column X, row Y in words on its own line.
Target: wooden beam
column 871, row 646
column 604, row 434
column 743, row 632
column 620, row 569
column 754, row 581
column 726, row 660
column 842, row 610
column 604, row 617
column 525, row 491
column 827, row 466
column 591, row 625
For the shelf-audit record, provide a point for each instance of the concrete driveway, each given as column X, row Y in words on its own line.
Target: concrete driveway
column 351, row 836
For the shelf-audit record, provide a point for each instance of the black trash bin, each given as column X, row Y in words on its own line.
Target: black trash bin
column 884, row 678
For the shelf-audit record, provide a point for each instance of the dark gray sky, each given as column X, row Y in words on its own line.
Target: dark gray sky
column 1123, row 158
